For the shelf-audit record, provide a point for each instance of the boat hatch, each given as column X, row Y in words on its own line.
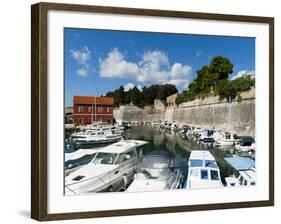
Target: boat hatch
column 79, row 177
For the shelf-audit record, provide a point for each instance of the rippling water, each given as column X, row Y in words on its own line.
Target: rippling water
column 180, row 147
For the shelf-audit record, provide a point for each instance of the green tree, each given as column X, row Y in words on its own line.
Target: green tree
column 210, row 77
column 204, row 79
column 225, row 90
column 135, row 96
column 243, row 83
column 121, row 95
column 220, row 67
column 230, row 89
column 163, row 91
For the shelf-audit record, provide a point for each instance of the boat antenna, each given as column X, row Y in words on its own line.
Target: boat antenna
column 93, row 109
column 95, row 97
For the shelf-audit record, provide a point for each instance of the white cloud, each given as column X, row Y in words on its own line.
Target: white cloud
column 153, row 68
column 179, row 82
column 180, row 71
column 139, row 87
column 128, row 87
column 243, row 73
column 82, row 57
column 115, row 66
column 82, row 72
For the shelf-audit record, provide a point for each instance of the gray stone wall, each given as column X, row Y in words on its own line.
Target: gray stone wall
column 236, row 117
column 133, row 113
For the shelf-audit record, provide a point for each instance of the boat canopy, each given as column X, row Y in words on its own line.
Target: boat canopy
column 122, row 146
column 157, row 159
column 201, row 155
column 78, row 154
column 240, row 163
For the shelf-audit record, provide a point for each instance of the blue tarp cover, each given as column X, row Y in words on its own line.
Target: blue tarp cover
column 240, row 163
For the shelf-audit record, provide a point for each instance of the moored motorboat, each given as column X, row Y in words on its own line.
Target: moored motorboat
column 207, row 136
column 111, row 169
column 99, row 137
column 245, row 144
column 88, row 130
column 246, row 172
column 226, row 139
column 156, row 172
column 203, row 171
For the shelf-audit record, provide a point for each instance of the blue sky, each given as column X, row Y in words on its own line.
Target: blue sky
column 99, row 60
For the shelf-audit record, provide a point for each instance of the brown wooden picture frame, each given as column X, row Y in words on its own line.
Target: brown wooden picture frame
column 39, row 119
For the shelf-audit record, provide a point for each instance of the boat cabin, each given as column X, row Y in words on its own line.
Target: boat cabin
column 203, row 171
column 246, row 140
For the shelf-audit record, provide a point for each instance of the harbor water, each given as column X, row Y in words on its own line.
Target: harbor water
column 178, row 146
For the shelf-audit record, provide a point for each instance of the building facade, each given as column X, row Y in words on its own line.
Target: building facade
column 89, row 110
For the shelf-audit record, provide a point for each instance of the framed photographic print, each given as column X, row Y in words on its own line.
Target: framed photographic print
column 138, row 111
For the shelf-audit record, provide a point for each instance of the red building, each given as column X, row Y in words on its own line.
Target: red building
column 88, row 109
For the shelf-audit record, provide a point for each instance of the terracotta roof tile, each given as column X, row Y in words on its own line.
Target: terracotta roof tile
column 91, row 99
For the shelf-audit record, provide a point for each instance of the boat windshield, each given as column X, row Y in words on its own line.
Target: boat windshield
column 154, row 167
column 159, row 174
column 199, row 163
column 155, row 162
column 77, row 162
column 105, row 158
column 196, row 163
column 210, row 163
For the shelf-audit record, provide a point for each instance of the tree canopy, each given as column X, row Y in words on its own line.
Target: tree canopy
column 213, row 79
column 143, row 97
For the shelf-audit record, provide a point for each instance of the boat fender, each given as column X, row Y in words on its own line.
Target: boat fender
column 125, row 179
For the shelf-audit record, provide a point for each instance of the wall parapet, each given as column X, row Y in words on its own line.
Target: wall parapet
column 247, row 95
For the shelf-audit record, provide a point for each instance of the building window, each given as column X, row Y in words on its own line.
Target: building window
column 99, row 119
column 89, row 109
column 80, row 109
column 89, row 120
column 81, row 120
column 108, row 110
column 100, row 109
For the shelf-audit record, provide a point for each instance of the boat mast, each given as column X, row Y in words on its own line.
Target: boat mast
column 93, row 109
column 95, row 104
column 92, row 113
